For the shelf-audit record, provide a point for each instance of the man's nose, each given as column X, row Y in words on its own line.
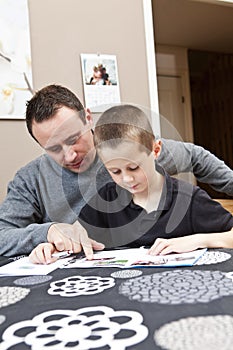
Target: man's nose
column 69, row 153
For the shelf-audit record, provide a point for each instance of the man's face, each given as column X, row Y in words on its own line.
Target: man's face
column 67, row 140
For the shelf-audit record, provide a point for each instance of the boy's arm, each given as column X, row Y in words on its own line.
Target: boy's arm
column 192, row 242
column 177, row 157
column 211, row 227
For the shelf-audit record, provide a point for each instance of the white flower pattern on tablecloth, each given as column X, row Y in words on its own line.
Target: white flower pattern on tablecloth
column 86, row 328
column 197, row 333
column 178, row 287
column 80, row 285
column 2, row 318
column 11, row 295
column 213, row 257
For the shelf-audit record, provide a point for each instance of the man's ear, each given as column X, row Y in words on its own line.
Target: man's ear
column 89, row 118
column 157, row 147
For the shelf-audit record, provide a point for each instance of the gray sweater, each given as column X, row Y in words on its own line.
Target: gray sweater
column 43, row 192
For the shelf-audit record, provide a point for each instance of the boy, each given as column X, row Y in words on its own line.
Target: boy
column 144, row 205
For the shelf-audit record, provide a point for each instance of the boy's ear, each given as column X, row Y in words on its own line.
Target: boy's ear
column 89, row 116
column 157, row 147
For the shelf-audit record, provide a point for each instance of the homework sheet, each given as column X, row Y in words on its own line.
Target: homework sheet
column 139, row 257
column 23, row 267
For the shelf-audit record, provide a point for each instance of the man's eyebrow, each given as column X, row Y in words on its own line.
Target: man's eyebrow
column 49, row 148
column 73, row 135
column 66, row 140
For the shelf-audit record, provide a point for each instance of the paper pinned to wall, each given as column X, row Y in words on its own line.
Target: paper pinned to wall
column 100, row 81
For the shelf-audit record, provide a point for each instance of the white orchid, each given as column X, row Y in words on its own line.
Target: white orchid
column 6, row 100
column 15, row 57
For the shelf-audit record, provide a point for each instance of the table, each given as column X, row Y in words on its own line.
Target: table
column 188, row 308
column 227, row 204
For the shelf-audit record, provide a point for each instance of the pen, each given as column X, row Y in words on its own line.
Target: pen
column 63, row 254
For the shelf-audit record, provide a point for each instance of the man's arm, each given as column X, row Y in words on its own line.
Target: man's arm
column 178, row 157
column 21, row 221
column 24, row 220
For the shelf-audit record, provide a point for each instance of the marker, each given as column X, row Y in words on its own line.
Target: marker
column 63, row 254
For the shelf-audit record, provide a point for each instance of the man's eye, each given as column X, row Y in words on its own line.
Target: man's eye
column 55, row 149
column 71, row 141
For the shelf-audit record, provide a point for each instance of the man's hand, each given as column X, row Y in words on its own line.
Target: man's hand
column 72, row 237
column 42, row 254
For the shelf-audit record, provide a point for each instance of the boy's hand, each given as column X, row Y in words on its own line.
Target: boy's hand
column 42, row 254
column 163, row 246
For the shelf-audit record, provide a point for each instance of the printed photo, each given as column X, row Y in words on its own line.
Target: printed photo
column 100, row 80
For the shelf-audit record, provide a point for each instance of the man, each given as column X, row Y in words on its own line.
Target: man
column 46, row 196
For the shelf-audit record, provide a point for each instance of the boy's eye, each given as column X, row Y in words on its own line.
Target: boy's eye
column 115, row 172
column 134, row 168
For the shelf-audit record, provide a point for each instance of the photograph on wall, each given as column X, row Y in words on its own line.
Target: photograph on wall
column 15, row 59
column 100, row 81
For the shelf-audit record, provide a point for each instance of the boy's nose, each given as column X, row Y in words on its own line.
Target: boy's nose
column 127, row 178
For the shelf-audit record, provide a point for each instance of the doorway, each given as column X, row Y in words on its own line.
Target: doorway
column 174, row 121
column 171, row 107
column 211, row 86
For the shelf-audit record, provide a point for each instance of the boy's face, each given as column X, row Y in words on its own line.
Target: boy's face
column 129, row 166
column 67, row 140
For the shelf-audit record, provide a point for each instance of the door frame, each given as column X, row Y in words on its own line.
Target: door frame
column 173, row 62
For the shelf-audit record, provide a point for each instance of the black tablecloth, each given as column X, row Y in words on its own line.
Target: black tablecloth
column 188, row 308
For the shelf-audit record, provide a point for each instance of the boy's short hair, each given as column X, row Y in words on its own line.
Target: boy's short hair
column 123, row 123
column 47, row 101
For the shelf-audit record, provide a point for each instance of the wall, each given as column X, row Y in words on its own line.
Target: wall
column 60, row 31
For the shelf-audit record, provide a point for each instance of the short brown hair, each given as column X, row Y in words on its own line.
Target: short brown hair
column 123, row 123
column 47, row 101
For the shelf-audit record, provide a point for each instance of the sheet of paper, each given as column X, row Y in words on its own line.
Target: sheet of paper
column 139, row 257
column 22, row 267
